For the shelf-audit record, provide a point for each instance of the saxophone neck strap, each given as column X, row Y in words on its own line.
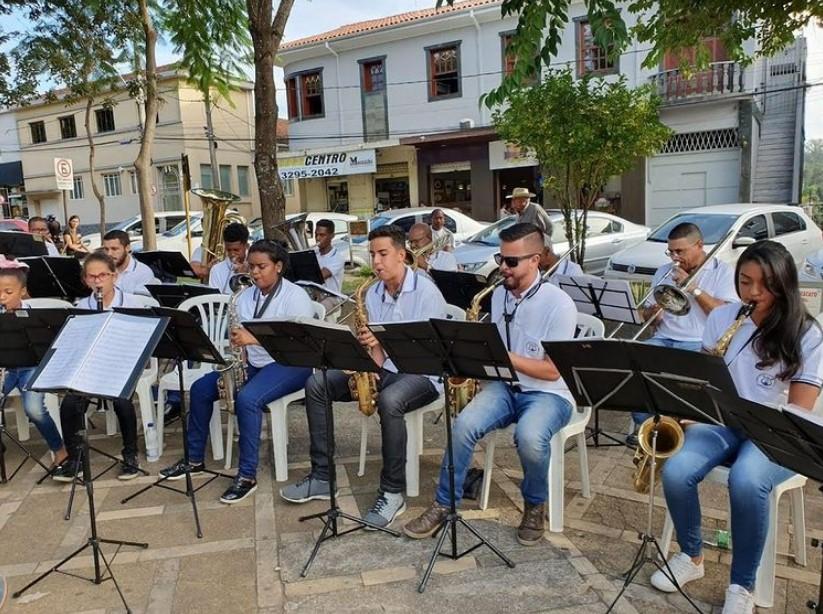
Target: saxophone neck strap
column 259, row 310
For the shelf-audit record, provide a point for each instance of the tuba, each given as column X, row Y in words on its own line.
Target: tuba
column 216, row 217
column 293, row 233
column 363, row 385
column 234, row 374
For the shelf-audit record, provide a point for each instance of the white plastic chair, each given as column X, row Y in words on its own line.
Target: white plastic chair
column 453, row 312
column 213, row 311
column 587, row 327
column 764, row 580
column 48, row 303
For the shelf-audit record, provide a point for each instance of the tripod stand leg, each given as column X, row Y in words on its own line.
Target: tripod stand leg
column 190, row 494
column 74, row 482
column 47, row 573
column 509, row 563
column 99, row 552
column 319, row 541
column 443, row 530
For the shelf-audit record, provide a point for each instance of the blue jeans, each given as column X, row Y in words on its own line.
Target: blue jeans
column 538, row 415
column 693, row 346
column 34, row 405
column 262, row 387
column 751, row 479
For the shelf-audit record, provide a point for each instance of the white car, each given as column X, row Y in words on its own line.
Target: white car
column 163, row 221
column 341, row 224
column 786, row 224
column 460, row 224
column 606, row 234
column 812, row 267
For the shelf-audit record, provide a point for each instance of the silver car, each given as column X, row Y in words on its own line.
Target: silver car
column 606, row 234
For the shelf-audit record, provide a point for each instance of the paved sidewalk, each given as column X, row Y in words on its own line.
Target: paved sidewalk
column 250, row 557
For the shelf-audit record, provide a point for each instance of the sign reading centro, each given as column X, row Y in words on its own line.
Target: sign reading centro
column 329, row 164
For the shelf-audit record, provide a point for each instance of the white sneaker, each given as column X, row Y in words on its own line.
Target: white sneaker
column 683, row 569
column 738, row 600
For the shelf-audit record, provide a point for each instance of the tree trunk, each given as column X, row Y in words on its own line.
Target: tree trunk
column 266, row 34
column 143, row 163
column 101, row 200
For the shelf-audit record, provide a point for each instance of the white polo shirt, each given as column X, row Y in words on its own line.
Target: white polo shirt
column 220, row 275
column 566, row 267
column 419, row 299
column 543, row 313
column 51, row 249
column 121, row 299
column 762, row 385
column 442, row 261
column 716, row 279
column 335, row 262
column 290, row 301
column 443, row 237
column 134, row 278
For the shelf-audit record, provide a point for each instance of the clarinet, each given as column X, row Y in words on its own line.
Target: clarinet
column 98, row 297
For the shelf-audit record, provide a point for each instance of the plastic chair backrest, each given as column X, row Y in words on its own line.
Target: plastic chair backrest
column 48, row 303
column 319, row 311
column 213, row 310
column 453, row 312
column 146, row 301
column 589, row 326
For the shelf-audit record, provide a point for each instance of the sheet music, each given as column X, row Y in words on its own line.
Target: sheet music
column 78, row 333
column 323, row 289
column 614, row 296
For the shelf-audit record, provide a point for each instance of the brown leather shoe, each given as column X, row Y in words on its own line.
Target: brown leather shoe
column 532, row 526
column 427, row 523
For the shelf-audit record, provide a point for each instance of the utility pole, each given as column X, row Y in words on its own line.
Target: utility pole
column 215, row 169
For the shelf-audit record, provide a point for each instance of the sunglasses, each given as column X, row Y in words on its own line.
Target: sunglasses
column 512, row 261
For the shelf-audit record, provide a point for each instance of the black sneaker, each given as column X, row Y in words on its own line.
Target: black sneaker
column 239, row 490
column 177, row 471
column 129, row 468
column 171, row 415
column 66, row 471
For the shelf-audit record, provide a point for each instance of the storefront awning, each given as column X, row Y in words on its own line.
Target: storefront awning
column 437, row 139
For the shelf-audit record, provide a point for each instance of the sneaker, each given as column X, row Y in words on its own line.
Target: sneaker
column 177, row 471
column 532, row 525
column 387, row 507
column 240, row 489
column 738, row 600
column 66, row 471
column 428, row 522
column 172, row 414
column 684, row 572
column 307, row 489
column 129, row 468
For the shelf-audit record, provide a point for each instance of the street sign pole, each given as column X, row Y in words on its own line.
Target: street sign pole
column 64, row 176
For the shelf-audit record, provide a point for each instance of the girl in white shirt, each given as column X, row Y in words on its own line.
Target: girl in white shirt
column 775, row 357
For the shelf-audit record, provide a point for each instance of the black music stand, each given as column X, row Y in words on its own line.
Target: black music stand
column 790, row 439
column 15, row 352
column 459, row 287
column 449, row 348
column 125, row 385
column 16, row 244
column 183, row 339
column 310, row 343
column 171, row 295
column 624, row 375
column 303, row 265
column 55, row 277
column 166, row 266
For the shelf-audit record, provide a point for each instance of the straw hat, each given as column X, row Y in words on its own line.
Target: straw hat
column 520, row 193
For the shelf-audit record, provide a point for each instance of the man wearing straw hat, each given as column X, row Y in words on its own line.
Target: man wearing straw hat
column 530, row 212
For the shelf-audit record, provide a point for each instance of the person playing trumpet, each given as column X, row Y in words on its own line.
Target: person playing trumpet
column 713, row 287
column 420, row 235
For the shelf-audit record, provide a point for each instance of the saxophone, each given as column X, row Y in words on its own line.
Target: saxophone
column 363, row 385
column 234, row 374
column 669, row 432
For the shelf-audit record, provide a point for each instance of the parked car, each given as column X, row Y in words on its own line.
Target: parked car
column 811, row 269
column 163, row 221
column 14, row 225
column 461, row 225
column 341, row 224
column 784, row 223
column 606, row 234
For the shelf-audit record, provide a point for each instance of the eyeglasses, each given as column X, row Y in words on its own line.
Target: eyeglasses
column 679, row 252
column 512, row 261
column 98, row 277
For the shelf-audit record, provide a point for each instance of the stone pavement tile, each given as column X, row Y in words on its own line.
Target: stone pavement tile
column 219, row 582
column 164, row 585
column 197, row 548
column 450, row 566
column 269, row 586
column 388, row 574
column 330, row 584
column 138, row 512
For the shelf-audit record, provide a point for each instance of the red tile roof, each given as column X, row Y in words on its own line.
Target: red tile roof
column 384, row 22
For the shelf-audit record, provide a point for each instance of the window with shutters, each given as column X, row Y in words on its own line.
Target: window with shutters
column 444, row 71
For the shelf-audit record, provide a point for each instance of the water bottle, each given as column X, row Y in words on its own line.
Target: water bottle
column 152, row 451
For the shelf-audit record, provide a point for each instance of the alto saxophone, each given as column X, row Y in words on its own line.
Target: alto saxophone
column 670, row 434
column 234, row 374
column 363, row 385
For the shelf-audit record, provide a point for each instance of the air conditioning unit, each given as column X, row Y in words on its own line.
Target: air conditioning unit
column 465, row 124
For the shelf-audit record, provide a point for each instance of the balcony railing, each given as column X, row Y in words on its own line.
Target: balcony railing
column 719, row 79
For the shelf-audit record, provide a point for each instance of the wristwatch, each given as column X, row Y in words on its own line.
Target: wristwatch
column 697, row 292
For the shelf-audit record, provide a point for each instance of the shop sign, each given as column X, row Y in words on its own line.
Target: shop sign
column 507, row 155
column 311, row 165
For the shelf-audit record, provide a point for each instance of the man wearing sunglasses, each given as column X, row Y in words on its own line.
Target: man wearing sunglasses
column 527, row 312
column 714, row 286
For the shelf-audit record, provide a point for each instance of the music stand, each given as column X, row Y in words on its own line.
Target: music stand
column 183, row 339
column 15, row 244
column 15, row 352
column 624, row 375
column 166, row 266
column 171, row 295
column 55, row 277
column 459, row 287
column 310, row 343
column 449, row 348
column 303, row 265
column 125, row 384
column 787, row 438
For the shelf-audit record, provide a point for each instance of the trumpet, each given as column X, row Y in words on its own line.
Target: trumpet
column 414, row 255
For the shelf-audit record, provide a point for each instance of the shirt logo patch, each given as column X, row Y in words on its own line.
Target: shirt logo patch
column 532, row 347
column 765, row 380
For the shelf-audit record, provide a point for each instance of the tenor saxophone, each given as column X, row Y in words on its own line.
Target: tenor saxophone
column 363, row 385
column 234, row 374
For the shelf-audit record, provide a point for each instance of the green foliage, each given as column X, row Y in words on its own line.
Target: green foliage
column 813, row 172
column 582, row 131
column 675, row 26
